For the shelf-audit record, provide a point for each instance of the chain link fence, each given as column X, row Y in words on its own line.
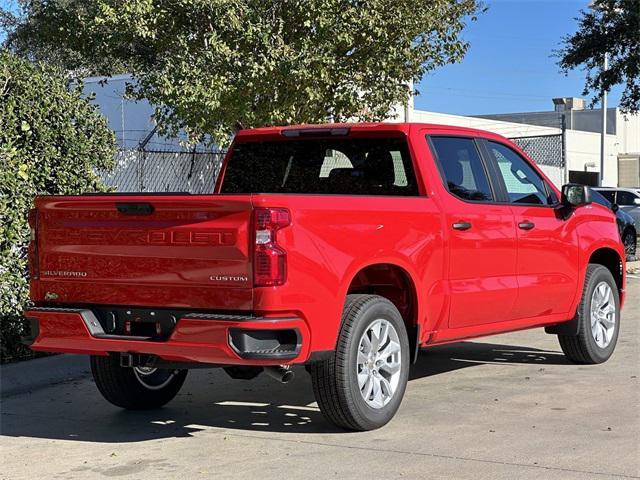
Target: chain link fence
column 196, row 171
column 164, row 171
column 544, row 150
column 548, row 152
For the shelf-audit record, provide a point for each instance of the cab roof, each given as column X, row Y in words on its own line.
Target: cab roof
column 340, row 129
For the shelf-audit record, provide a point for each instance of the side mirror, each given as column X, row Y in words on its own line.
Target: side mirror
column 614, row 207
column 575, row 195
column 636, row 201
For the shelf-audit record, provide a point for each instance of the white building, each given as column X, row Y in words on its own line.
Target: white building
column 543, row 143
column 583, row 137
column 131, row 120
column 565, row 142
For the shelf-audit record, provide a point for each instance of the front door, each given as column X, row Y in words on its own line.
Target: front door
column 547, row 243
column 480, row 234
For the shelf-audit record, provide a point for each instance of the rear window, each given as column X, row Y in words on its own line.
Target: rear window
column 344, row 167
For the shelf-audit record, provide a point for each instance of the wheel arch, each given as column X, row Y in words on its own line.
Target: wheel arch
column 611, row 260
column 395, row 283
column 603, row 255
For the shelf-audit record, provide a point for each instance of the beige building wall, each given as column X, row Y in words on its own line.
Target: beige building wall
column 583, row 154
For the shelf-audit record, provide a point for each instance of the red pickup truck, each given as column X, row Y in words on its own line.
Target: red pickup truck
column 343, row 247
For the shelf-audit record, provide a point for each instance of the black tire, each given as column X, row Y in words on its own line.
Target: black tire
column 582, row 348
column 334, row 380
column 124, row 388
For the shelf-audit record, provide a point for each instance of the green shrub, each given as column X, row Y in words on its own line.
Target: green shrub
column 52, row 141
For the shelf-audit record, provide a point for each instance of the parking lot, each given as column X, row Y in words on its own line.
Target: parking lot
column 507, row 406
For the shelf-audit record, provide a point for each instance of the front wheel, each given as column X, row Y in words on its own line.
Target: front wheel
column 361, row 386
column 629, row 242
column 598, row 319
column 135, row 388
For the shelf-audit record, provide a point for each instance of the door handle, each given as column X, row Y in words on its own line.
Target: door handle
column 526, row 225
column 461, row 226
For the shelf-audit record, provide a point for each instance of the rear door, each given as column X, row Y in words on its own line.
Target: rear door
column 163, row 250
column 480, row 234
column 547, row 242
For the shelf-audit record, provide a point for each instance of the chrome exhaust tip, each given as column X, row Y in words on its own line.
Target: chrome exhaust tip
column 281, row 374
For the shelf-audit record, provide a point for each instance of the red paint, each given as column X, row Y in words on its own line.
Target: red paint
column 192, row 340
column 197, row 251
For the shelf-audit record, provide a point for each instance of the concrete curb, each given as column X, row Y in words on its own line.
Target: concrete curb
column 30, row 375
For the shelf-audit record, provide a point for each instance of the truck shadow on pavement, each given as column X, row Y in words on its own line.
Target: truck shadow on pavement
column 211, row 401
column 445, row 358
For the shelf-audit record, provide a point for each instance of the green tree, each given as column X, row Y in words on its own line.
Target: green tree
column 609, row 27
column 215, row 65
column 52, row 141
column 24, row 27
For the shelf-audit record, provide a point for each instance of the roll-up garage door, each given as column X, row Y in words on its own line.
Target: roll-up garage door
column 629, row 171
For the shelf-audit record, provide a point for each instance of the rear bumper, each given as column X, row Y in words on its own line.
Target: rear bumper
column 197, row 338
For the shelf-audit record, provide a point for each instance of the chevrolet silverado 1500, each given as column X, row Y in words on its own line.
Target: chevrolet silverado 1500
column 343, row 247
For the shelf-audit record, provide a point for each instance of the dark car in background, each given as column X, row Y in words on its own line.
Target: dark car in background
column 626, row 223
column 628, row 199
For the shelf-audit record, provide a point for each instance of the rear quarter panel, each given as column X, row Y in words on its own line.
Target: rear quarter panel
column 331, row 238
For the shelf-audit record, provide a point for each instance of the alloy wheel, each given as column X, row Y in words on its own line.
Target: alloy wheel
column 603, row 314
column 153, row 378
column 378, row 363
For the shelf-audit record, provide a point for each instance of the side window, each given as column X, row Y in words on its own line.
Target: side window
column 625, row 198
column 523, row 183
column 463, row 171
column 608, row 194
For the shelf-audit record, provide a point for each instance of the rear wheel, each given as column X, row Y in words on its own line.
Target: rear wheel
column 598, row 319
column 135, row 388
column 361, row 386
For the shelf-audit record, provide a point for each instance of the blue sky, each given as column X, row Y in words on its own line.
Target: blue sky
column 509, row 66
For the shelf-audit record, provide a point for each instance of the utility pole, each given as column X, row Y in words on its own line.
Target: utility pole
column 603, row 134
column 599, row 5
column 563, row 153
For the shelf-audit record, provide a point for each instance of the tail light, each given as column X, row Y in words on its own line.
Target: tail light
column 34, row 265
column 269, row 259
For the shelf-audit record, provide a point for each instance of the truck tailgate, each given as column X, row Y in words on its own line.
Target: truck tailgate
column 173, row 250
